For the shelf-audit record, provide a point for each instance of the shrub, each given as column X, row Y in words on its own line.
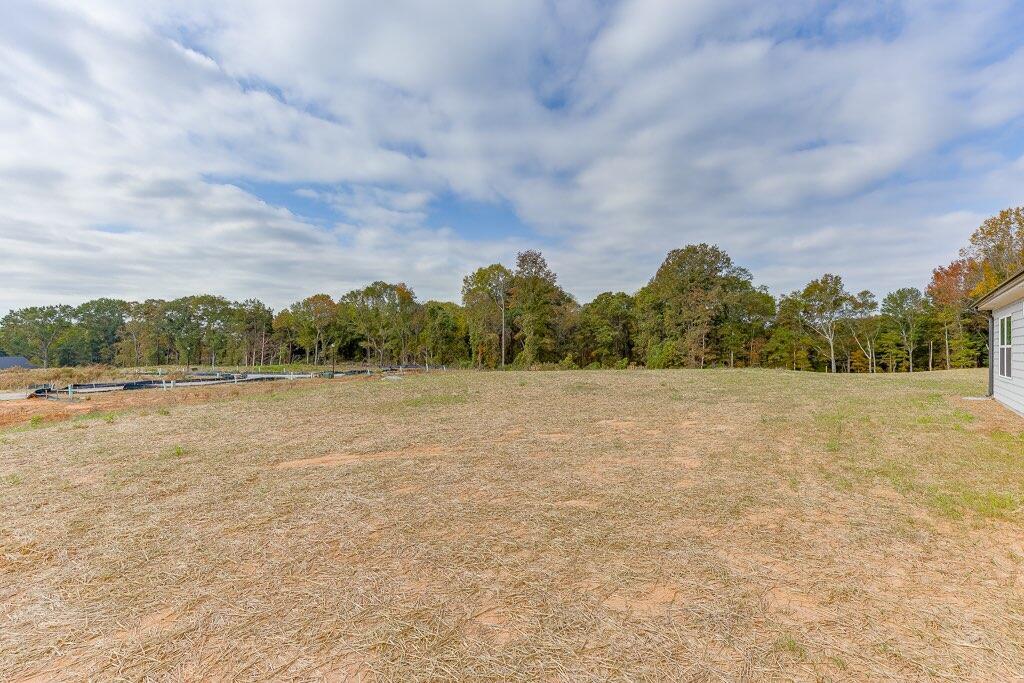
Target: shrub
column 662, row 355
column 568, row 363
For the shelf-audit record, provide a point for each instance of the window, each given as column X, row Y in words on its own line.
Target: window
column 1006, row 346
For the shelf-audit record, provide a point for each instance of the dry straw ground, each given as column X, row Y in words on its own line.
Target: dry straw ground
column 17, row 378
column 715, row 525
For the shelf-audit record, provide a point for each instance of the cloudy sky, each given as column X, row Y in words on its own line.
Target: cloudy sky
column 278, row 149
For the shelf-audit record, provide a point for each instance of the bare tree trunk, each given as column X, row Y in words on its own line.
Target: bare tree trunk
column 946, row 331
column 931, row 348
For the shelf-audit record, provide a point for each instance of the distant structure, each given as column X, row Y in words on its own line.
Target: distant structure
column 8, row 362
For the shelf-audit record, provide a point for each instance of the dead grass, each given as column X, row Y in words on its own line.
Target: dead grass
column 16, row 379
column 37, row 412
column 521, row 526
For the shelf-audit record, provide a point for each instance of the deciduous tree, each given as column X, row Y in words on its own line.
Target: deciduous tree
column 824, row 306
column 905, row 308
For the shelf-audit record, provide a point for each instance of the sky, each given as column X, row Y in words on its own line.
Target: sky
column 279, row 149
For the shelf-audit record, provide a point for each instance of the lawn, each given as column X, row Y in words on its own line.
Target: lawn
column 627, row 525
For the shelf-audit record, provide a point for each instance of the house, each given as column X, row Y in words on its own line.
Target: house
column 8, row 362
column 1005, row 306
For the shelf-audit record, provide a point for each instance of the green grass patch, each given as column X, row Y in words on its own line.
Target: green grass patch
column 789, row 645
column 107, row 416
column 12, row 479
column 956, row 418
column 987, row 504
column 899, row 475
column 834, row 425
column 272, row 397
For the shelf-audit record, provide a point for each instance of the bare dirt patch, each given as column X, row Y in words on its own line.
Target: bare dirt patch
column 346, row 458
column 646, row 601
column 23, row 410
column 793, row 605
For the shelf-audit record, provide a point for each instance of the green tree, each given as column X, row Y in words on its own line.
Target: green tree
column 605, row 329
column 483, row 288
column 403, row 322
column 252, row 324
column 311, row 318
column 685, row 303
column 788, row 345
column 285, row 336
column 744, row 322
column 906, row 309
column 891, row 349
column 214, row 316
column 824, row 306
column 443, row 333
column 141, row 336
column 384, row 315
column 101, row 321
column 183, row 328
column 535, row 297
column 865, row 325
column 35, row 331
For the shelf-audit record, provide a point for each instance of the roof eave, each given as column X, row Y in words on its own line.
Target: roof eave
column 1006, row 293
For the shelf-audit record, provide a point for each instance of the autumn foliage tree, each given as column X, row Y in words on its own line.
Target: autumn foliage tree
column 995, row 250
column 950, row 293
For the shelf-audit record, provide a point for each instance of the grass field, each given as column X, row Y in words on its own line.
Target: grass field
column 632, row 525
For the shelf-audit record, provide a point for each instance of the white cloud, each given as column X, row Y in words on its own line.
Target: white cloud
column 802, row 138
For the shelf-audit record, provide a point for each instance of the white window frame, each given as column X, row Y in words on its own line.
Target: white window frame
column 1006, row 344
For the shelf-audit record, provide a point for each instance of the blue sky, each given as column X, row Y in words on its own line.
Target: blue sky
column 159, row 149
column 472, row 219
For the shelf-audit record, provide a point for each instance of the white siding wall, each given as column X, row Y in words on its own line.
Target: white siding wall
column 1010, row 391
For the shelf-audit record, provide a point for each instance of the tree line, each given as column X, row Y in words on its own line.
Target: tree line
column 698, row 310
